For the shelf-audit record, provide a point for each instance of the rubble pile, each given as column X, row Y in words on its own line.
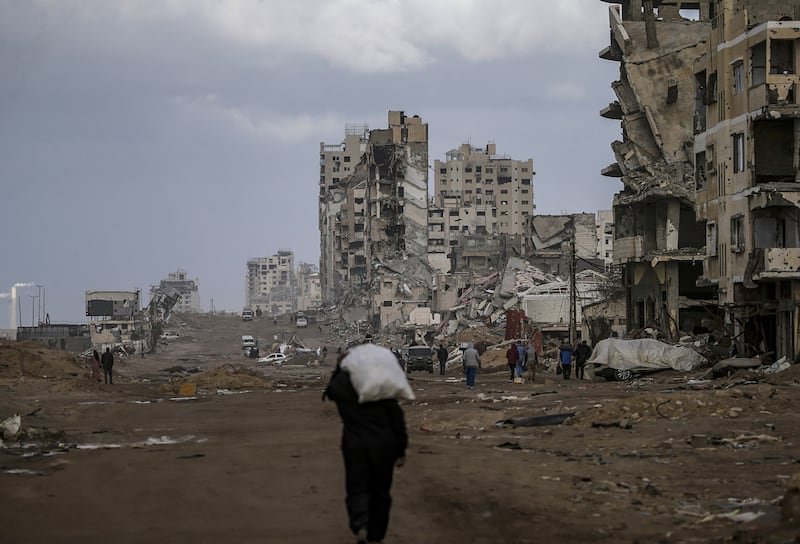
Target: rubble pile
column 486, row 302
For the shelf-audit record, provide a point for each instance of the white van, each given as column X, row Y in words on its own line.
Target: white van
column 247, row 315
column 248, row 341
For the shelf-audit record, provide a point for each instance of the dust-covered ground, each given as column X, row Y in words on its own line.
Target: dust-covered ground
column 253, row 455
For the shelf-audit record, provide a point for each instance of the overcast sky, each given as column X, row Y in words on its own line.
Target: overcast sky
column 138, row 137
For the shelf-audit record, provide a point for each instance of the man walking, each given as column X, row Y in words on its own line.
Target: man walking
column 472, row 362
column 565, row 356
column 582, row 354
column 107, row 360
column 532, row 359
column 374, row 441
column 442, row 355
column 512, row 356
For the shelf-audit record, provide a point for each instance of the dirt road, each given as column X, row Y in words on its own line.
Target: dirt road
column 666, row 460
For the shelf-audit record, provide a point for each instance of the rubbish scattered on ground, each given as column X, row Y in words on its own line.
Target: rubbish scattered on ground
column 10, row 427
column 535, row 421
column 740, row 517
column 790, row 504
column 537, row 393
column 622, row 424
column 188, row 390
column 509, row 446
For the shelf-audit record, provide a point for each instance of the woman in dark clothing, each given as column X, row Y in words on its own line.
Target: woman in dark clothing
column 97, row 372
column 374, row 440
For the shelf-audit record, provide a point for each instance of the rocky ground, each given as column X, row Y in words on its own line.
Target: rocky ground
column 247, row 452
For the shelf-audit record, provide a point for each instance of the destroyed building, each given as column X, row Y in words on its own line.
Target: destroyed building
column 547, row 239
column 479, row 195
column 658, row 240
column 373, row 219
column 115, row 318
column 308, row 296
column 747, row 159
column 605, row 237
column 270, row 283
column 188, row 288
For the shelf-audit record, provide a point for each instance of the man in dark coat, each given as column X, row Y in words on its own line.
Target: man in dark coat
column 107, row 360
column 442, row 355
column 374, row 440
column 582, row 354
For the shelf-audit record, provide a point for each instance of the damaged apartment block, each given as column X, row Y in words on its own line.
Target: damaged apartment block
column 658, row 241
column 708, row 99
column 747, row 159
column 374, row 222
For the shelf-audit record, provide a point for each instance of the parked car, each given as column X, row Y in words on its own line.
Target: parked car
column 274, row 358
column 169, row 336
column 419, row 358
column 248, row 342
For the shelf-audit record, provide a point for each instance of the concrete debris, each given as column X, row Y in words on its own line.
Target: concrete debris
column 10, row 427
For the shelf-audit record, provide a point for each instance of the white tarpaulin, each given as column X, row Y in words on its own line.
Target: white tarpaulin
column 645, row 353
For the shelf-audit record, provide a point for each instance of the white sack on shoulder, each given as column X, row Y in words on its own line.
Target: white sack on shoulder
column 376, row 374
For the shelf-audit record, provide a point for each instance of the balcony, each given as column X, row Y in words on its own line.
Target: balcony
column 779, row 95
column 779, row 263
column 628, row 249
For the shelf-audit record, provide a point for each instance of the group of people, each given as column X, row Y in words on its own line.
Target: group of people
column 520, row 358
column 566, row 354
column 102, row 367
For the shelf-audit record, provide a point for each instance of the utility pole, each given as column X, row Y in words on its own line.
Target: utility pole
column 573, row 338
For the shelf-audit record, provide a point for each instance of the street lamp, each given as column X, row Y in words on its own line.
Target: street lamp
column 33, row 301
column 40, row 301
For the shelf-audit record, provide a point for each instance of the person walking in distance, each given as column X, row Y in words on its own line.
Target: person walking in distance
column 565, row 357
column 108, row 364
column 582, row 354
column 442, row 355
column 532, row 359
column 472, row 362
column 522, row 365
column 97, row 372
column 374, row 441
column 512, row 357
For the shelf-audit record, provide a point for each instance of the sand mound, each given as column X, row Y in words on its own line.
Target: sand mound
column 33, row 360
column 228, row 376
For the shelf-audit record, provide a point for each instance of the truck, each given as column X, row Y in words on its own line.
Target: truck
column 247, row 314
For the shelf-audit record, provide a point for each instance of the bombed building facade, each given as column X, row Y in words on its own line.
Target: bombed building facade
column 747, row 158
column 658, row 241
column 481, row 202
column 373, row 220
column 706, row 224
column 270, row 283
column 188, row 288
column 547, row 239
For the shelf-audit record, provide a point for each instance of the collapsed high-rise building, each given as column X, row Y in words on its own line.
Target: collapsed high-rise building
column 747, row 159
column 373, row 220
column 658, row 241
column 270, row 283
column 710, row 160
column 481, row 203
